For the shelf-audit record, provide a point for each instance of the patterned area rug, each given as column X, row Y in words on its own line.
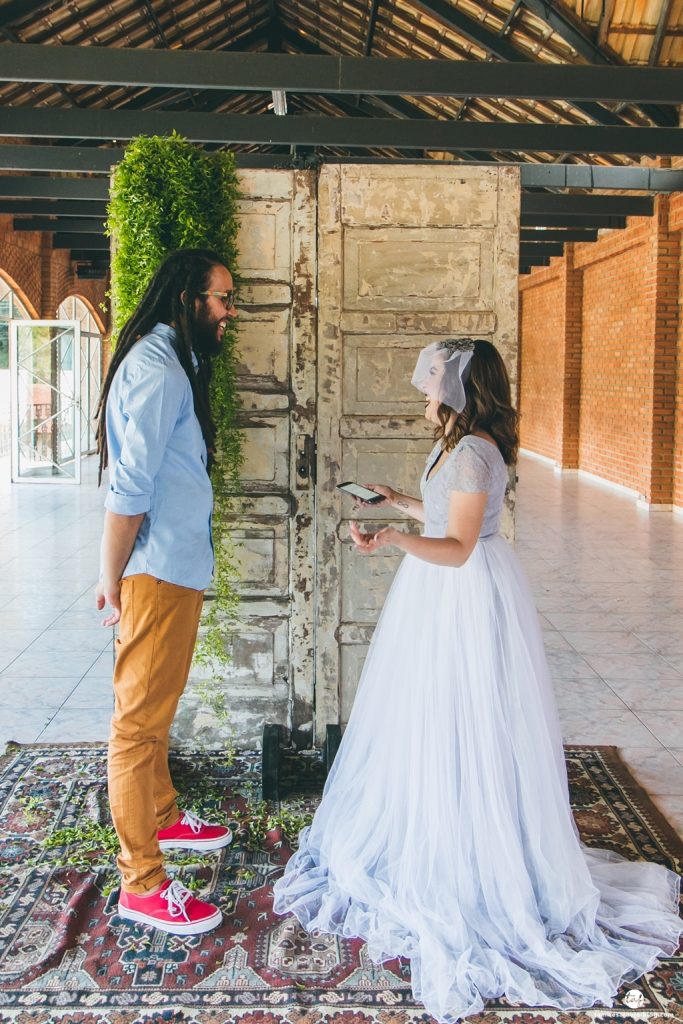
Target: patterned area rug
column 66, row 956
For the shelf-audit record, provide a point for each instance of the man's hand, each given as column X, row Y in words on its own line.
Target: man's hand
column 108, row 593
column 117, row 543
column 366, row 543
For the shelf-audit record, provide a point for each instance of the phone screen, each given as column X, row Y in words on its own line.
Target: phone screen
column 358, row 491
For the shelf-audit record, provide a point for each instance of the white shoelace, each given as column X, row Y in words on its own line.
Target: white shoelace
column 193, row 820
column 176, row 895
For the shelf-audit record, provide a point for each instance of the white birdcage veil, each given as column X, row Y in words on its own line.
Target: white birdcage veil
column 442, row 369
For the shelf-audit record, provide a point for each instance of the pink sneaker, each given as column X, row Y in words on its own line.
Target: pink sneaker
column 172, row 909
column 191, row 833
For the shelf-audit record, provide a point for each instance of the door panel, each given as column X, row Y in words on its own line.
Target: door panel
column 407, row 256
column 271, row 674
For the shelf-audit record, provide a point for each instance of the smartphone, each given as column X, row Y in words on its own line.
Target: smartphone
column 364, row 493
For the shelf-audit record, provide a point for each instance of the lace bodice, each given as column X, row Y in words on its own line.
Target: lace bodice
column 474, row 465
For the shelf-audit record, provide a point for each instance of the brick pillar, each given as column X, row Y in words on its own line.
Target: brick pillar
column 572, row 283
column 665, row 262
column 47, row 283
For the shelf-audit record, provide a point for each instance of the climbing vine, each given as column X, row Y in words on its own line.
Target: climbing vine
column 168, row 193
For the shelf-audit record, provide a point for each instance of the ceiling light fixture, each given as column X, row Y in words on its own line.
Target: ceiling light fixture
column 279, row 101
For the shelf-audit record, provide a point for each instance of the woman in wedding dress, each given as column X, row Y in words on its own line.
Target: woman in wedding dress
column 445, row 833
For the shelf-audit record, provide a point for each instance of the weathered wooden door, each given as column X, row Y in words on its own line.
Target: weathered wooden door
column 406, row 255
column 271, row 676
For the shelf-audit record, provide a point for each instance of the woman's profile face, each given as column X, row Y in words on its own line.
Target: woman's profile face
column 432, row 410
column 432, row 387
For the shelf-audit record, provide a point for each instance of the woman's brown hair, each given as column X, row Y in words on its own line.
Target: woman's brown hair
column 488, row 405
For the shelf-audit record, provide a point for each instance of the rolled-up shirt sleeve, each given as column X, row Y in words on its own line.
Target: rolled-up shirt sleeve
column 150, row 405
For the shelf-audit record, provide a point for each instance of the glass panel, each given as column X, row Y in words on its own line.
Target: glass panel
column 4, row 344
column 46, row 415
column 94, row 387
column 74, row 308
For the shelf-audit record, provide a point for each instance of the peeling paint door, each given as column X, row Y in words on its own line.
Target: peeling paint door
column 274, row 654
column 407, row 255
column 271, row 675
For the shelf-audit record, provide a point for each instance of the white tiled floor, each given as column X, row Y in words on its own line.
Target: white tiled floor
column 608, row 582
column 55, row 657
column 607, row 577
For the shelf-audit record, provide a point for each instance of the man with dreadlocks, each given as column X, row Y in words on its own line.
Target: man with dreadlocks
column 157, row 436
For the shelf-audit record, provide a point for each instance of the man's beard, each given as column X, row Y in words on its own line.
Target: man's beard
column 206, row 341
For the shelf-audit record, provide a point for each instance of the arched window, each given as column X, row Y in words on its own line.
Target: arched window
column 11, row 308
column 74, row 308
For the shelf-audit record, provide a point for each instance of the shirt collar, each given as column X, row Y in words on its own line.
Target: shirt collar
column 166, row 331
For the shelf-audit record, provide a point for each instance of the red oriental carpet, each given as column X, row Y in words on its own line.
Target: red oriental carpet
column 65, row 955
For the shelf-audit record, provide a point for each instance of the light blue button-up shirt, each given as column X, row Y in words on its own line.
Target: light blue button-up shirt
column 157, row 464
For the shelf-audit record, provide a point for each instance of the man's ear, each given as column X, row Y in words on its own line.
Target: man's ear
column 183, row 297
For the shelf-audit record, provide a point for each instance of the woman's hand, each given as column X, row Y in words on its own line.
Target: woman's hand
column 388, row 493
column 366, row 543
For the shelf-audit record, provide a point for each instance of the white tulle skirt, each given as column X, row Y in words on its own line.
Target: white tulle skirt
column 445, row 833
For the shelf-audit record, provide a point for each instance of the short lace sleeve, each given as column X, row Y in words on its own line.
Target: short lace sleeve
column 469, row 471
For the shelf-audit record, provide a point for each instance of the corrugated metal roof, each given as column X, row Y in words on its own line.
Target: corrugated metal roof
column 625, row 29
column 628, row 27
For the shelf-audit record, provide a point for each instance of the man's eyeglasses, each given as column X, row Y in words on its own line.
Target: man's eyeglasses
column 227, row 297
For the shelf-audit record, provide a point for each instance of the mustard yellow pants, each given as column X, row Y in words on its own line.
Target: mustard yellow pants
column 157, row 634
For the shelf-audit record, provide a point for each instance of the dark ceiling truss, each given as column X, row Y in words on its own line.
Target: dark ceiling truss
column 224, row 33
column 370, row 30
column 149, row 97
column 89, row 256
column 604, row 22
column 263, row 72
column 72, row 159
column 274, row 29
column 501, row 48
column 61, row 89
column 399, row 106
column 507, row 24
column 534, row 249
column 575, row 34
column 35, row 187
column 59, row 208
column 80, row 240
column 552, row 234
column 80, row 225
column 361, row 132
column 20, row 10
column 569, row 29
column 571, row 220
column 100, row 160
column 660, row 32
column 525, row 267
column 617, row 206
column 161, row 35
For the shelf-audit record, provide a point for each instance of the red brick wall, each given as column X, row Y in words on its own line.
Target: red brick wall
column 618, row 335
column 44, row 276
column 542, row 364
column 676, row 224
column 616, row 367
column 21, row 262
